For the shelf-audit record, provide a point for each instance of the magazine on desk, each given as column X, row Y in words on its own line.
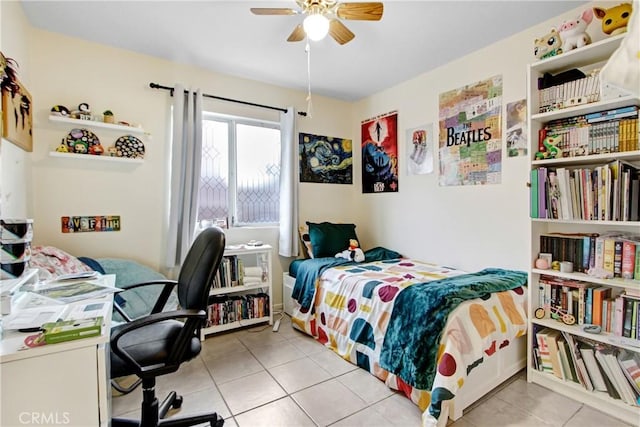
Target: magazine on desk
column 68, row 292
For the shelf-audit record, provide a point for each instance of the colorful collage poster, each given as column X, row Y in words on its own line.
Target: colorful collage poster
column 517, row 128
column 470, row 141
column 325, row 159
column 420, row 150
column 380, row 154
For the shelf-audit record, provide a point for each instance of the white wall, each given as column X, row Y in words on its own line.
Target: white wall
column 15, row 164
column 71, row 71
column 468, row 227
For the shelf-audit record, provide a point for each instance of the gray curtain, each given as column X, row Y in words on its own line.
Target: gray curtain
column 288, row 245
column 186, row 153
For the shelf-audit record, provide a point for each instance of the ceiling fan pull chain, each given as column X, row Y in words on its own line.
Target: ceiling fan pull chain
column 309, row 103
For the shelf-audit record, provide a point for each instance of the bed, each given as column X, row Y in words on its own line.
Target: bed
column 373, row 315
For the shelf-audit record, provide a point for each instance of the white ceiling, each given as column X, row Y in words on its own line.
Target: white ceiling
column 413, row 37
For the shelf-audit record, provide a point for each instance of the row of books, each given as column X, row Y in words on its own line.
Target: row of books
column 609, row 131
column 591, row 304
column 228, row 309
column 609, row 192
column 595, row 366
column 617, row 254
column 570, row 94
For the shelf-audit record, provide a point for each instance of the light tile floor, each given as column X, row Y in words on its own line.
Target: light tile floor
column 256, row 377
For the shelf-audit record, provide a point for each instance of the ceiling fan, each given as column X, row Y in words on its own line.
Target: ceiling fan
column 323, row 16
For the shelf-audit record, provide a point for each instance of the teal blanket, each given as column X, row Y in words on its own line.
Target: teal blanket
column 419, row 316
column 305, row 285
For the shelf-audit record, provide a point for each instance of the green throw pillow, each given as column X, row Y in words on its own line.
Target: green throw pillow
column 327, row 239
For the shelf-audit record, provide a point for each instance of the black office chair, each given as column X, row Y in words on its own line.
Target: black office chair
column 157, row 344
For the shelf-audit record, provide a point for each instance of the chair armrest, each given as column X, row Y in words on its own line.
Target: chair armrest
column 194, row 316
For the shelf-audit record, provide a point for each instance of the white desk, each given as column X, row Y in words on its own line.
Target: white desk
column 56, row 384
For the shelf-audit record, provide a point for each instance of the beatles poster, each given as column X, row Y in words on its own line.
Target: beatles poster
column 325, row 159
column 470, row 134
column 380, row 154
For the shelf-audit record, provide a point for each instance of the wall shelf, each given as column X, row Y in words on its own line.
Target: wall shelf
column 96, row 124
column 91, row 157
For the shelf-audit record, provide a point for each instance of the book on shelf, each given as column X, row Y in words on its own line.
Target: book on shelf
column 593, row 368
column 582, row 373
column 543, row 351
column 630, row 364
column 67, row 330
column 609, row 363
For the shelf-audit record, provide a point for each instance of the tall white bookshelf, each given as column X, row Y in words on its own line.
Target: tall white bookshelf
column 587, row 58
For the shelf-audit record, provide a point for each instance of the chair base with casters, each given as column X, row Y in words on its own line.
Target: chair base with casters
column 154, row 412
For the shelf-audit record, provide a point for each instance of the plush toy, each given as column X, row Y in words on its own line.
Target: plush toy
column 574, row 32
column 551, row 150
column 614, row 19
column 354, row 253
column 549, row 45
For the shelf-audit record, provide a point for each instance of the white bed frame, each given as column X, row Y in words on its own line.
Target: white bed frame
column 487, row 376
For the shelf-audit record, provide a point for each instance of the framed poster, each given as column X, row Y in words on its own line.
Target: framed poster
column 17, row 116
column 470, row 134
column 517, row 128
column 420, row 150
column 380, row 154
column 325, row 159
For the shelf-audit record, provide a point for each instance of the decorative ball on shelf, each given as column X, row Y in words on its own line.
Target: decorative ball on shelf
column 542, row 264
column 60, row 110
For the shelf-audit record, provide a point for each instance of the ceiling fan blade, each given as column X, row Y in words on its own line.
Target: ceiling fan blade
column 297, row 34
column 340, row 32
column 361, row 11
column 273, row 11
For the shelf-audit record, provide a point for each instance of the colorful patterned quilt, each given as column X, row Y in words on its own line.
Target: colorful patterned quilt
column 353, row 306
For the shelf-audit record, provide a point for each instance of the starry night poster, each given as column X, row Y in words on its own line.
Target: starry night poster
column 325, row 159
column 380, row 154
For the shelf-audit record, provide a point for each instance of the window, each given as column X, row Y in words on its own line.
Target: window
column 240, row 177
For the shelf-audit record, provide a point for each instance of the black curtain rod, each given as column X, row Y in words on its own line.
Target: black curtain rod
column 170, row 89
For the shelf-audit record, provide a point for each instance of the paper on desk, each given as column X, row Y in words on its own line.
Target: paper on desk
column 32, row 317
column 35, row 317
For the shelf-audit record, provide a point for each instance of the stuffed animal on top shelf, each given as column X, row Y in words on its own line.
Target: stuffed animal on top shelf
column 353, row 253
column 549, row 45
column 574, row 32
column 615, row 19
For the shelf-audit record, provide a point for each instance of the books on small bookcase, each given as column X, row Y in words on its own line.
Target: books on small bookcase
column 595, row 366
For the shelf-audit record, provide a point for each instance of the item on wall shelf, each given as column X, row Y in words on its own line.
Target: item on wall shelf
column 573, row 33
column 17, row 117
column 82, row 113
column 129, row 146
column 60, row 110
column 108, row 116
column 62, row 148
column 548, row 45
column 81, row 224
column 614, row 19
column 83, row 141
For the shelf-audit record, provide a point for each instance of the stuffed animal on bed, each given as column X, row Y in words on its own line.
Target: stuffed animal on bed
column 353, row 253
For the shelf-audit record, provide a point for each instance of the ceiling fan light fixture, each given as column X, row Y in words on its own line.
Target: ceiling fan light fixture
column 316, row 26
